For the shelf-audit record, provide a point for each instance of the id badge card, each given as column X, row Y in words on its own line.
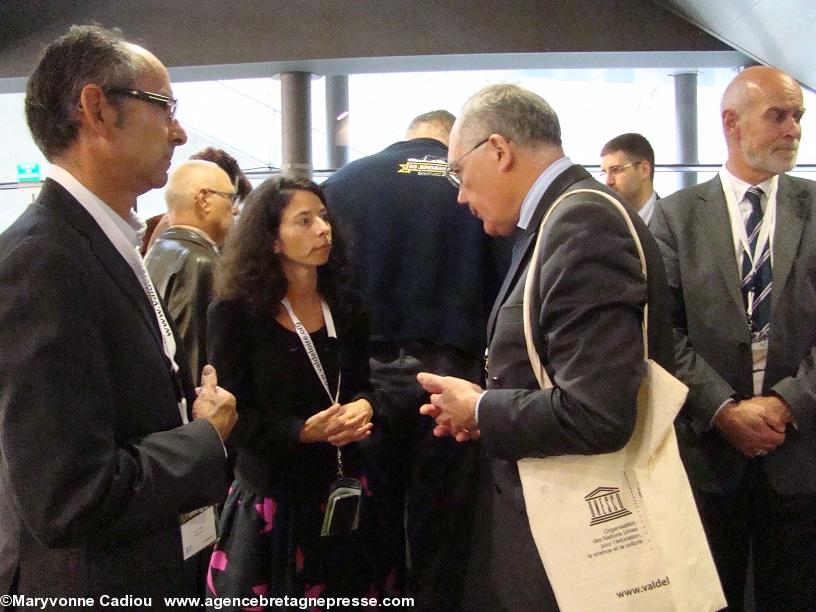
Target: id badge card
column 343, row 507
column 759, row 354
column 197, row 530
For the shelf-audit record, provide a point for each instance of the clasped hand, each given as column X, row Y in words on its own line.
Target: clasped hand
column 453, row 406
column 339, row 424
column 754, row 426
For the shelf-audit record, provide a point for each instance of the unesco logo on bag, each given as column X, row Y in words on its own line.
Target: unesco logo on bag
column 605, row 505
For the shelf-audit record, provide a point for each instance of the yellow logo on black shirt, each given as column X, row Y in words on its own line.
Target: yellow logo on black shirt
column 424, row 167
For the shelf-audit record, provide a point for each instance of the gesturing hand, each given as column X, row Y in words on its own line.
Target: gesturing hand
column 453, row 405
column 215, row 404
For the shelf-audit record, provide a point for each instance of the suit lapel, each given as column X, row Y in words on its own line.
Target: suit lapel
column 560, row 184
column 791, row 210
column 54, row 198
column 711, row 216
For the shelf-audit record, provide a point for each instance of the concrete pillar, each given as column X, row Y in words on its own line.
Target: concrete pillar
column 337, row 120
column 296, row 124
column 685, row 104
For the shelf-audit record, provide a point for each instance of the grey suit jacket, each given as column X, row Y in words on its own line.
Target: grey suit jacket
column 95, row 465
column 713, row 347
column 590, row 296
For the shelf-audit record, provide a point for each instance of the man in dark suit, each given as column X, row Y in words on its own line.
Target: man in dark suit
column 100, row 455
column 740, row 253
column 202, row 204
column 507, row 159
column 429, row 276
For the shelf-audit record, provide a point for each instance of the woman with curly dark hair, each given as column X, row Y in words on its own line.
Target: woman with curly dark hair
column 289, row 339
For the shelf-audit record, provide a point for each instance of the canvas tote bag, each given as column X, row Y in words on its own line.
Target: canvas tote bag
column 620, row 531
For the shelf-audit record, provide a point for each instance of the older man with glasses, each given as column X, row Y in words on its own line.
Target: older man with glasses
column 510, row 168
column 202, row 205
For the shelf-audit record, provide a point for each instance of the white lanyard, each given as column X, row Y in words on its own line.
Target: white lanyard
column 308, row 345
column 134, row 260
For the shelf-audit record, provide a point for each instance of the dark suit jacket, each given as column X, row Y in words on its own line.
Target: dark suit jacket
column 181, row 264
column 590, row 295
column 95, row 464
column 713, row 341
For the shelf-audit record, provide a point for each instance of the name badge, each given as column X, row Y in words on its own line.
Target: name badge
column 759, row 354
column 197, row 530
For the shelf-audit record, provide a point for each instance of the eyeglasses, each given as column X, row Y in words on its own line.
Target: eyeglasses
column 613, row 170
column 453, row 175
column 166, row 102
column 230, row 195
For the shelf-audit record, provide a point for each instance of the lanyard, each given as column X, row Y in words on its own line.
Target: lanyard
column 308, row 345
column 134, row 260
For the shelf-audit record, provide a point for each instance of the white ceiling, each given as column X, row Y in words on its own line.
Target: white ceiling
column 780, row 33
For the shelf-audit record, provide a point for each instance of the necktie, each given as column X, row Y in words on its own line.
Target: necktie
column 756, row 278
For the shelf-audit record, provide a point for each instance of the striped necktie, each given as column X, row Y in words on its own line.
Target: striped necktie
column 756, row 278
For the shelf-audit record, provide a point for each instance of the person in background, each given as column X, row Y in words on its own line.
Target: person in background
column 429, row 275
column 181, row 262
column 290, row 338
column 104, row 442
column 627, row 162
column 740, row 252
column 241, row 185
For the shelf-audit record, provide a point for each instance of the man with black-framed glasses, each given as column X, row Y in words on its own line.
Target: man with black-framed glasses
column 627, row 163
column 202, row 205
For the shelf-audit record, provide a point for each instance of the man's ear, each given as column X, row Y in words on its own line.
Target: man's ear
column 645, row 169
column 96, row 112
column 503, row 151
column 730, row 121
column 202, row 203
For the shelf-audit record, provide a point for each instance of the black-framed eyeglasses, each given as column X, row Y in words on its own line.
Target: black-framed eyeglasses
column 613, row 170
column 453, row 175
column 230, row 195
column 166, row 102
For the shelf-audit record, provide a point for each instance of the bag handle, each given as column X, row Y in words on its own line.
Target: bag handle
column 535, row 360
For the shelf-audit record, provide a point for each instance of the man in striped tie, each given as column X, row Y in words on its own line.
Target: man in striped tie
column 740, row 254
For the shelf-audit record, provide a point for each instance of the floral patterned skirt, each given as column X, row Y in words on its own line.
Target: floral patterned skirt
column 273, row 548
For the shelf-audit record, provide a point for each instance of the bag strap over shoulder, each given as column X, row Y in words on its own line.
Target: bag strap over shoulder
column 529, row 283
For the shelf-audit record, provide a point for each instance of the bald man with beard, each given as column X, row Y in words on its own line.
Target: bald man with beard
column 201, row 202
column 740, row 254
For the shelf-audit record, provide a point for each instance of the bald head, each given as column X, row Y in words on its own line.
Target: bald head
column 761, row 111
column 193, row 198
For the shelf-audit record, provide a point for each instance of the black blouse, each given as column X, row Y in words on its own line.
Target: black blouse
column 266, row 367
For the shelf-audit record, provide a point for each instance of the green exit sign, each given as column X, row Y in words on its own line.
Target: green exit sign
column 28, row 173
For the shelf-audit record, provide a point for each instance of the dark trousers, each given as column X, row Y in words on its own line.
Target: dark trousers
column 433, row 480
column 778, row 532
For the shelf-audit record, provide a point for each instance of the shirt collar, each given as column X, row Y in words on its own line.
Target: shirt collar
column 133, row 227
column 198, row 231
column 738, row 187
column 647, row 209
column 533, row 197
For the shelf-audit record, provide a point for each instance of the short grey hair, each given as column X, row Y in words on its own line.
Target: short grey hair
column 86, row 54
column 514, row 112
